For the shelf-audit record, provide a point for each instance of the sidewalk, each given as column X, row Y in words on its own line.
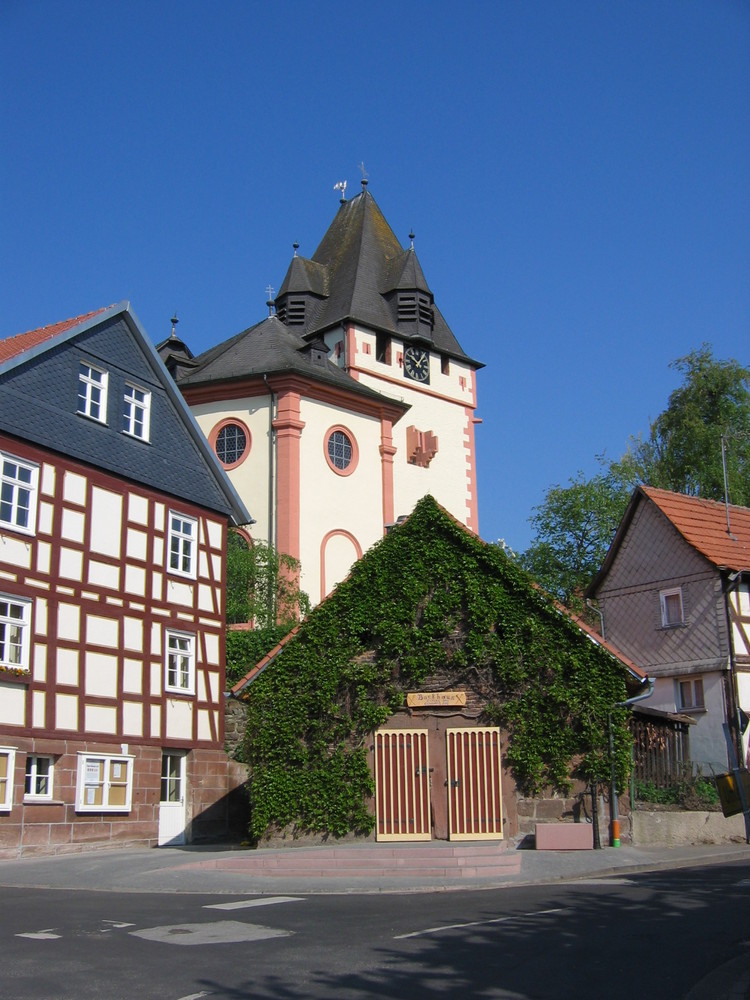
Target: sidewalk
column 349, row 869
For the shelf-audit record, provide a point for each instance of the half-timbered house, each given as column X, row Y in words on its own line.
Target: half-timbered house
column 113, row 520
column 674, row 593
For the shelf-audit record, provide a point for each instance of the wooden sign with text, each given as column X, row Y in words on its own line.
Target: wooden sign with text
column 435, row 699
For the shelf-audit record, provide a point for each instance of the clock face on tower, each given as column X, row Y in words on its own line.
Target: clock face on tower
column 417, row 364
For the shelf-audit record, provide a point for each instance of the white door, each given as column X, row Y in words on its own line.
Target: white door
column 172, row 807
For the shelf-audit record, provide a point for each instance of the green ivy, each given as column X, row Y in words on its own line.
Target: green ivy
column 429, row 598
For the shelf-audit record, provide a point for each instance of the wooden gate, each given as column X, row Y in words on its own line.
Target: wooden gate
column 475, row 810
column 402, row 785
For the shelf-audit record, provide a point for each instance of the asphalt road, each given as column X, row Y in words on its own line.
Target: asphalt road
column 652, row 935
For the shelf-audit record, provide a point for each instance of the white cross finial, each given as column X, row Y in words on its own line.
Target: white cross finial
column 365, row 175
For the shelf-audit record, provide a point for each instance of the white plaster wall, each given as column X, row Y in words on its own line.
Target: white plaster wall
column 250, row 479
column 179, row 719
column 12, row 704
column 328, row 501
column 707, row 741
column 105, row 522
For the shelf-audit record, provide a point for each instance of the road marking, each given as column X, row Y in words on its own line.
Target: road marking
column 476, row 923
column 243, row 904
column 216, row 932
column 743, row 883
column 195, row 996
column 113, row 924
column 46, row 935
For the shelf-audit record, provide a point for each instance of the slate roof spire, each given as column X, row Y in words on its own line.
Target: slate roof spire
column 360, row 273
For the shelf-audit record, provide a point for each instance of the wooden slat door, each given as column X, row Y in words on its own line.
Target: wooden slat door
column 475, row 810
column 402, row 784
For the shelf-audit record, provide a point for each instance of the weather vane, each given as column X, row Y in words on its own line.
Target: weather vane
column 341, row 186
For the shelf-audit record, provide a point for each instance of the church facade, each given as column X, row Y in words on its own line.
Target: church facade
column 347, row 404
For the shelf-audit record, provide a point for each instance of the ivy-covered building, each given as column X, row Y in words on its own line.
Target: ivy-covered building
column 430, row 690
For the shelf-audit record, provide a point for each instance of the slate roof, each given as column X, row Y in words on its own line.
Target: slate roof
column 12, row 346
column 269, row 348
column 38, row 392
column 702, row 523
column 357, row 263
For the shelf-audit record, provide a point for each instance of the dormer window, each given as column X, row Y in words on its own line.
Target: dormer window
column 292, row 311
column 415, row 307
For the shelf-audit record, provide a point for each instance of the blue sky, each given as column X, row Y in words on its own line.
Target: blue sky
column 577, row 175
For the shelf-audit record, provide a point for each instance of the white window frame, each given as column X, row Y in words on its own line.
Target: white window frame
column 664, row 596
column 92, row 392
column 182, row 544
column 10, row 621
column 108, row 777
column 136, row 413
column 33, row 777
column 179, row 662
column 6, row 789
column 18, row 494
column 695, row 705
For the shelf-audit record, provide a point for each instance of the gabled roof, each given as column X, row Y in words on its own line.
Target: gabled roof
column 270, row 348
column 12, row 346
column 702, row 523
column 358, row 261
column 494, row 563
column 19, row 355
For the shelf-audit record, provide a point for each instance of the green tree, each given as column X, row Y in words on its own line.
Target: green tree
column 683, row 451
column 262, row 585
column 574, row 525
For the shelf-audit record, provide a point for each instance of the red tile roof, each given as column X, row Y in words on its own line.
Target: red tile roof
column 703, row 524
column 21, row 342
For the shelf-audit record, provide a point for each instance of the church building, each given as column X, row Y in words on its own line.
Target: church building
column 347, row 404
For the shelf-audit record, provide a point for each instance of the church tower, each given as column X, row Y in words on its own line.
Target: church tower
column 336, row 414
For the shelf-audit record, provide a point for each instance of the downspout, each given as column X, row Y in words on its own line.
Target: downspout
column 271, row 466
column 270, row 597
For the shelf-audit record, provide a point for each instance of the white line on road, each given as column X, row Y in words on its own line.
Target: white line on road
column 476, row 923
column 243, row 904
column 46, row 935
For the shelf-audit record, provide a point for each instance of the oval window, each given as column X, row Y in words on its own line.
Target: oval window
column 341, row 451
column 231, row 442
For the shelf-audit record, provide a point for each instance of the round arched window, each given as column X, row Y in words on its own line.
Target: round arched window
column 231, row 442
column 341, row 451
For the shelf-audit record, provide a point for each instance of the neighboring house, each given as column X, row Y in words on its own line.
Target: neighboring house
column 335, row 415
column 113, row 521
column 674, row 593
column 439, row 670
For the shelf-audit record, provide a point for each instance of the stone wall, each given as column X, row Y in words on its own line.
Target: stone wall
column 673, row 829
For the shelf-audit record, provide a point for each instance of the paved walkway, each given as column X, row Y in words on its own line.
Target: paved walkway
column 328, row 870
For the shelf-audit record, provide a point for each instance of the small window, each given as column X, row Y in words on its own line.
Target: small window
column 104, row 783
column 18, row 493
column 671, row 607
column 92, row 392
column 7, row 767
column 383, row 348
column 445, row 364
column 231, row 443
column 691, row 695
column 136, row 412
column 172, row 776
column 183, row 533
column 15, row 616
column 341, row 451
column 39, row 771
column 180, row 662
